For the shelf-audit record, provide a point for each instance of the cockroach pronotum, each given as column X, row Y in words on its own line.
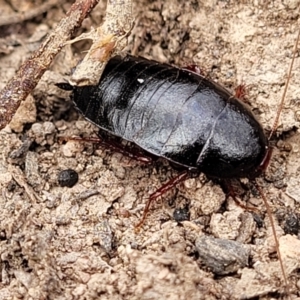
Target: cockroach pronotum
column 179, row 115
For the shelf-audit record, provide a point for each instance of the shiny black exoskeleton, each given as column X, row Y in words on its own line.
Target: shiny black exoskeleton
column 176, row 114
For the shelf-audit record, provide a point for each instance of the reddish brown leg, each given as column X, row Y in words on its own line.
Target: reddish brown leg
column 166, row 187
column 266, row 160
column 133, row 152
column 195, row 69
column 269, row 212
column 241, row 92
column 232, row 193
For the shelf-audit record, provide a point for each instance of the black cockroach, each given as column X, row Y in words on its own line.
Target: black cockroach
column 179, row 115
column 176, row 114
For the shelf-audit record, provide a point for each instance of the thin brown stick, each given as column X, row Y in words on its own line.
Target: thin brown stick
column 27, row 15
column 32, row 70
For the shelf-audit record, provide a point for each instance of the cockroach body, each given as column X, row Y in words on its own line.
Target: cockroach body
column 176, row 114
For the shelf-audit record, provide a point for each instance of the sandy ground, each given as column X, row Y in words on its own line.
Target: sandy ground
column 80, row 243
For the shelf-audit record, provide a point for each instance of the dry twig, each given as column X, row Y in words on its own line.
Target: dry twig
column 108, row 40
column 32, row 70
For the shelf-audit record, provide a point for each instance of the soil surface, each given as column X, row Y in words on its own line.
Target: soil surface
column 80, row 242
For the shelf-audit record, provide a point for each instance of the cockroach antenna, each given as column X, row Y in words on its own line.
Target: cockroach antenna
column 274, row 128
column 289, row 75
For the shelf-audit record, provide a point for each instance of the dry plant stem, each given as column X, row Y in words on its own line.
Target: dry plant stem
column 32, row 70
column 27, row 15
column 108, row 40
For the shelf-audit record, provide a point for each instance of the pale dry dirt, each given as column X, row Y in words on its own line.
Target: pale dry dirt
column 80, row 243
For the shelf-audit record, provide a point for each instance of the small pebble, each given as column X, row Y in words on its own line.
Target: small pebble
column 292, row 225
column 181, row 214
column 67, row 178
column 222, row 256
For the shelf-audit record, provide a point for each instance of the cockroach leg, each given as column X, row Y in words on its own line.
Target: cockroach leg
column 240, row 92
column 195, row 69
column 264, row 163
column 270, row 216
column 166, row 187
column 230, row 192
column 266, row 160
column 108, row 143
